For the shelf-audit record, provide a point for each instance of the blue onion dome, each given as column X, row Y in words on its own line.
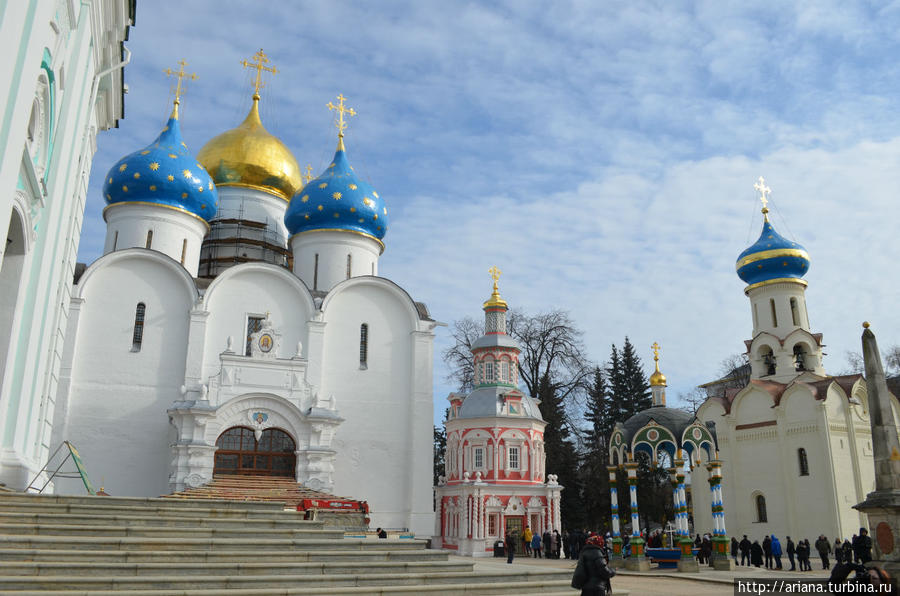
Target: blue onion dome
column 165, row 174
column 772, row 258
column 338, row 201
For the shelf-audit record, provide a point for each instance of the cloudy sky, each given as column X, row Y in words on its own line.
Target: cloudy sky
column 602, row 154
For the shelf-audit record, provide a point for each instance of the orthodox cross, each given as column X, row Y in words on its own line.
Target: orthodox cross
column 181, row 75
column 655, row 348
column 259, row 61
column 764, row 191
column 308, row 175
column 495, row 275
column 341, row 110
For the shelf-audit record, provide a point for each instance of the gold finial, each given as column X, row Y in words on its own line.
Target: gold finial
column 495, row 299
column 179, row 85
column 657, row 379
column 308, row 175
column 339, row 121
column 763, row 195
column 865, row 324
column 259, row 61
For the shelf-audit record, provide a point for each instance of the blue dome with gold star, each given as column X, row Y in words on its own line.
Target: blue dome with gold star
column 772, row 258
column 338, row 200
column 164, row 173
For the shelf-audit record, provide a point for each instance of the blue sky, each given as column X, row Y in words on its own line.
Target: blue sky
column 602, row 155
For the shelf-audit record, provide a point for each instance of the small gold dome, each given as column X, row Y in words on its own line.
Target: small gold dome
column 250, row 156
column 657, row 379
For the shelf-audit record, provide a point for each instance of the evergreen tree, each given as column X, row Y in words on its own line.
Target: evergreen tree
column 635, row 395
column 594, row 476
column 561, row 455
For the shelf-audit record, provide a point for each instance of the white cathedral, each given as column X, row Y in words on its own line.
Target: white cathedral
column 236, row 323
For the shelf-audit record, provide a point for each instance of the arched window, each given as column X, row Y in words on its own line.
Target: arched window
column 115, row 240
column 363, row 346
column 799, row 358
column 489, row 371
column 349, row 264
column 768, row 359
column 238, row 452
column 761, row 516
column 504, row 372
column 804, row 463
column 774, row 316
column 149, row 239
column 138, row 336
column 795, row 312
column 755, row 316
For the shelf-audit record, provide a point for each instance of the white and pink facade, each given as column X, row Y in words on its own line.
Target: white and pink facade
column 495, row 479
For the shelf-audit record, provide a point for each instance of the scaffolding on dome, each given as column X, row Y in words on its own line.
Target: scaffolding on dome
column 233, row 239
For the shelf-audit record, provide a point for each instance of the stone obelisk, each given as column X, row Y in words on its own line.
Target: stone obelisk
column 882, row 506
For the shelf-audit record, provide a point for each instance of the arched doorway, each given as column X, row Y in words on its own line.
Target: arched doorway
column 240, row 453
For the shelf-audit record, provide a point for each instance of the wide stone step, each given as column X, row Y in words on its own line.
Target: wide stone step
column 163, row 532
column 232, row 556
column 99, row 519
column 136, row 502
column 248, row 545
column 210, row 510
column 242, row 568
column 554, row 579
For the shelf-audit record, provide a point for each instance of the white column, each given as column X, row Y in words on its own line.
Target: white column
column 613, row 501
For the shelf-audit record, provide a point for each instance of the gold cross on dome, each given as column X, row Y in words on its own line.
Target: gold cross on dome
column 308, row 175
column 764, row 191
column 259, row 61
column 495, row 275
column 181, row 75
column 341, row 110
column 655, row 348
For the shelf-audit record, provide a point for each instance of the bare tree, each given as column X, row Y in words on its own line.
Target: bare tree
column 692, row 400
column 458, row 356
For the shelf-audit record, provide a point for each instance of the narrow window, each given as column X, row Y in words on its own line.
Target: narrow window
column 504, row 372
column 349, row 262
column 254, row 324
column 795, row 313
column 149, row 239
column 316, row 273
column 761, row 516
column 755, row 316
column 804, row 463
column 363, row 345
column 799, row 358
column 373, row 268
column 774, row 316
column 115, row 240
column 138, row 336
column 479, row 457
column 183, row 250
column 492, row 524
column 513, row 458
column 488, row 372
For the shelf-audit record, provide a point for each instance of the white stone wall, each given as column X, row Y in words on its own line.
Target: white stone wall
column 333, row 249
column 174, row 233
column 75, row 95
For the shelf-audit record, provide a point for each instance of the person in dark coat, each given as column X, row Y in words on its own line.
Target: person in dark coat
column 536, row 545
column 791, row 551
column 706, row 550
column 803, row 555
column 592, row 574
column 848, row 551
column 734, row 548
column 547, row 540
column 744, row 545
column 510, row 547
column 838, row 552
column 557, row 544
column 767, row 551
column 823, row 547
column 862, row 546
column 756, row 554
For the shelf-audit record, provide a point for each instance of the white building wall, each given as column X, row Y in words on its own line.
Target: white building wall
column 320, row 257
column 51, row 186
column 174, row 233
column 386, row 416
column 115, row 411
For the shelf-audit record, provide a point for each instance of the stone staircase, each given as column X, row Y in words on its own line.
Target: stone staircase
column 354, row 517
column 72, row 545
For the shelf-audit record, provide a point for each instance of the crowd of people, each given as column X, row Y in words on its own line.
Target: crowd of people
column 770, row 552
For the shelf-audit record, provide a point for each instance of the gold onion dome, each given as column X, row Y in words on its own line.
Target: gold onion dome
column 250, row 156
column 657, row 379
